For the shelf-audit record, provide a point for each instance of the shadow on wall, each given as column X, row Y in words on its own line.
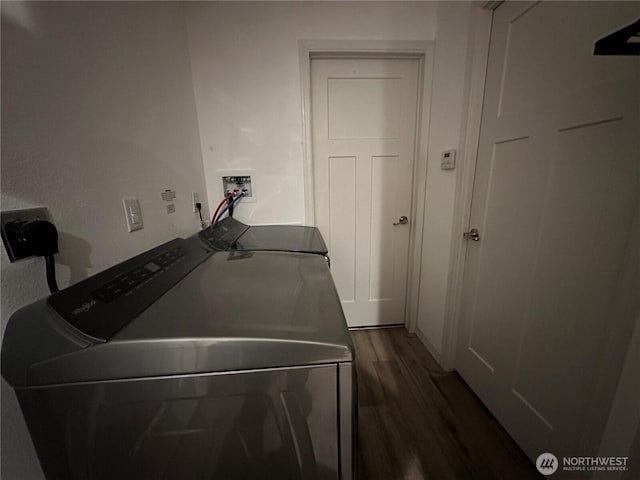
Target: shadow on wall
column 75, row 253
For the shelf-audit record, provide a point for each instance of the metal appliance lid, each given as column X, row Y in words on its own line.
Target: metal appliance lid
column 291, row 238
column 231, row 234
column 235, row 311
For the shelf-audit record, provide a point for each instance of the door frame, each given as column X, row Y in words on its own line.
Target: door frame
column 477, row 61
column 366, row 49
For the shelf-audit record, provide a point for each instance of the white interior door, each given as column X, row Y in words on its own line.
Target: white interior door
column 555, row 194
column 363, row 120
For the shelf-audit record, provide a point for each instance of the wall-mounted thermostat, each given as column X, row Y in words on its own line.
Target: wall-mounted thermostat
column 448, row 160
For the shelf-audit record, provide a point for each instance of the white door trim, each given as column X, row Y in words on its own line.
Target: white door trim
column 465, row 174
column 421, row 50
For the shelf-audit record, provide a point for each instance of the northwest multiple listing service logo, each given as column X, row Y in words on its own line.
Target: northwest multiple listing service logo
column 547, row 464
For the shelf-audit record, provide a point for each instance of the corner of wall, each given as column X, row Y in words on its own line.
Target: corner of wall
column 447, row 120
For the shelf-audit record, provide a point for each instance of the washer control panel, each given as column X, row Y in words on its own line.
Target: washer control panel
column 104, row 303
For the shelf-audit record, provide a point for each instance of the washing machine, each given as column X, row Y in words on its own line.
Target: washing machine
column 231, row 234
column 189, row 363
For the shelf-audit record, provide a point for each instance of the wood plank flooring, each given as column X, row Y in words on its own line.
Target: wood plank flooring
column 417, row 421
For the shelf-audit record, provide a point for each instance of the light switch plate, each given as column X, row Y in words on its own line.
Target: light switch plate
column 133, row 213
column 195, row 198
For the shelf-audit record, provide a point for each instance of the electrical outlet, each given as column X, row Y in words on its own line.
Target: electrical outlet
column 11, row 222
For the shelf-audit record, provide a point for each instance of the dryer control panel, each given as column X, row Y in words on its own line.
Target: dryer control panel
column 104, row 303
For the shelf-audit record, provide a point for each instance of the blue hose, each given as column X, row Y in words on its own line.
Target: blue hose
column 235, row 200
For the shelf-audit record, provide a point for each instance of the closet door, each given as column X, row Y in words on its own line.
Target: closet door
column 555, row 195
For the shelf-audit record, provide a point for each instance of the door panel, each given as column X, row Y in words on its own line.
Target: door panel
column 363, row 134
column 555, row 194
column 342, row 218
column 510, row 212
column 384, row 173
column 355, row 106
column 215, row 425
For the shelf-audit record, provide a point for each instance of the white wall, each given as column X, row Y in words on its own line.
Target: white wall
column 447, row 112
column 97, row 104
column 246, row 74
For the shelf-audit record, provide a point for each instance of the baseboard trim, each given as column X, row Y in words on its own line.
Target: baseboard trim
column 377, row 327
column 431, row 349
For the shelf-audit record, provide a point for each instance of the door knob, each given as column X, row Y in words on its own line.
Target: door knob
column 401, row 221
column 472, row 234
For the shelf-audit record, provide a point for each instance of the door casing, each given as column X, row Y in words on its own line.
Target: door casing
column 465, row 174
column 423, row 52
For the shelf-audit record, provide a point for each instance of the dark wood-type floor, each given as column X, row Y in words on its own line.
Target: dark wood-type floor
column 418, row 422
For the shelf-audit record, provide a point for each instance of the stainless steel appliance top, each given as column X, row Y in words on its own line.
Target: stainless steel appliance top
column 230, row 234
column 234, row 311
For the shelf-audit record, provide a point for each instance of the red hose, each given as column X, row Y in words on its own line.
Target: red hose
column 224, row 200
